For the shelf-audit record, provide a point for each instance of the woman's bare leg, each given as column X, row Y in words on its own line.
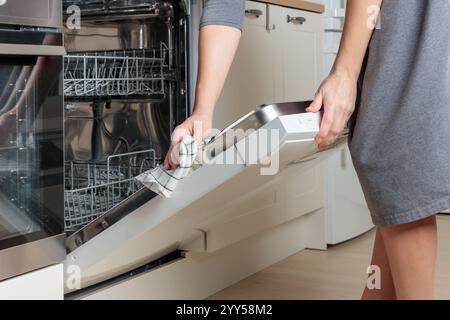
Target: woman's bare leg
column 411, row 250
column 380, row 259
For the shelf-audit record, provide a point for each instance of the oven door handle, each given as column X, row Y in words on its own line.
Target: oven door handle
column 31, row 50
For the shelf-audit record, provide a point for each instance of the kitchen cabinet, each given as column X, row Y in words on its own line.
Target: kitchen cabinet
column 313, row 6
column 302, row 54
column 252, row 80
column 279, row 60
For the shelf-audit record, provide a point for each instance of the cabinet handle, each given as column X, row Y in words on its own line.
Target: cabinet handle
column 299, row 20
column 269, row 26
column 254, row 12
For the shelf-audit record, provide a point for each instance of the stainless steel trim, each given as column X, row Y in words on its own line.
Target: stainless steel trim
column 255, row 120
column 31, row 256
column 118, row 17
column 158, row 9
column 31, row 50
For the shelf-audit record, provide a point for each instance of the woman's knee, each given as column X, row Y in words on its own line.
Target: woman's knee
column 415, row 228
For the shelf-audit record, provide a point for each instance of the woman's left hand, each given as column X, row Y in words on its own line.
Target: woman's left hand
column 337, row 96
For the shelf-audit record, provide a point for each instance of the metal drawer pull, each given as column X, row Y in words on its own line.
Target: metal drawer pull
column 254, row 12
column 299, row 20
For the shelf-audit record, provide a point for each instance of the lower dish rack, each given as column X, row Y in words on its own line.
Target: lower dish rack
column 93, row 188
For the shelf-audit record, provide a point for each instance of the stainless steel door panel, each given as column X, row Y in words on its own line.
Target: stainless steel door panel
column 78, row 139
column 111, row 35
column 128, row 127
column 116, row 127
column 38, row 13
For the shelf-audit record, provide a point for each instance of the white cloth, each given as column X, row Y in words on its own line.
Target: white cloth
column 164, row 182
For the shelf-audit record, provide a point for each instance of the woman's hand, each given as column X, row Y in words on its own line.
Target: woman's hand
column 337, row 96
column 217, row 47
column 196, row 126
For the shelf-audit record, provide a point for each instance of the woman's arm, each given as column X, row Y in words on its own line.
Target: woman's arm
column 217, row 48
column 220, row 32
column 337, row 94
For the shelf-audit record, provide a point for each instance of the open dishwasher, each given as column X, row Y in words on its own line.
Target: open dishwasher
column 125, row 88
column 126, row 85
column 145, row 228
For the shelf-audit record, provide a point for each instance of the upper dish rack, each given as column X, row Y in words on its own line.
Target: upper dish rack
column 116, row 73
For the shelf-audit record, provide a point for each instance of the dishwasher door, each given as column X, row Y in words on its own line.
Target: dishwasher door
column 284, row 135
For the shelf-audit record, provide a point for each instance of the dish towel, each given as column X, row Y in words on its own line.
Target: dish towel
column 164, row 182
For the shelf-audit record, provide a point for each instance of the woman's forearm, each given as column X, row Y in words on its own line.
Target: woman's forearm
column 358, row 29
column 217, row 48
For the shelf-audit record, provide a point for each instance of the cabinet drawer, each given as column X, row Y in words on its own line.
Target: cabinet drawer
column 302, row 54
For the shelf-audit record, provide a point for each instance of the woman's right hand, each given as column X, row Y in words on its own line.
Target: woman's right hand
column 337, row 96
column 196, row 126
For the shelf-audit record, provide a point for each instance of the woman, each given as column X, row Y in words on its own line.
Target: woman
column 400, row 126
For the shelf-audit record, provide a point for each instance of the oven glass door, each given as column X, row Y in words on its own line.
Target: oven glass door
column 31, row 148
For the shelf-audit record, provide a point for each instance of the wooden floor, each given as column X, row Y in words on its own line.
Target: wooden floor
column 338, row 273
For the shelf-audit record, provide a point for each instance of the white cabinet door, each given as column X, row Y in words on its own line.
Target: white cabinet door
column 302, row 36
column 346, row 208
column 255, row 76
column 282, row 64
column 279, row 65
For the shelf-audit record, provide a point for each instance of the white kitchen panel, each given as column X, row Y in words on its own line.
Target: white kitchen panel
column 347, row 212
column 43, row 284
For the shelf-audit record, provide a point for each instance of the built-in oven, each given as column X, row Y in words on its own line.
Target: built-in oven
column 31, row 131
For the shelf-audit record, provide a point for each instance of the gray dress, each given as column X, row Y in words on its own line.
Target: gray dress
column 400, row 131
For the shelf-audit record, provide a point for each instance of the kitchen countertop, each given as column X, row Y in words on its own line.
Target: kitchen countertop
column 297, row 4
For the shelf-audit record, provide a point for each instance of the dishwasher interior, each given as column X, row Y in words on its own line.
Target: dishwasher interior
column 125, row 88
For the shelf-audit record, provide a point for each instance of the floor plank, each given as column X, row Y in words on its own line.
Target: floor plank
column 338, row 273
